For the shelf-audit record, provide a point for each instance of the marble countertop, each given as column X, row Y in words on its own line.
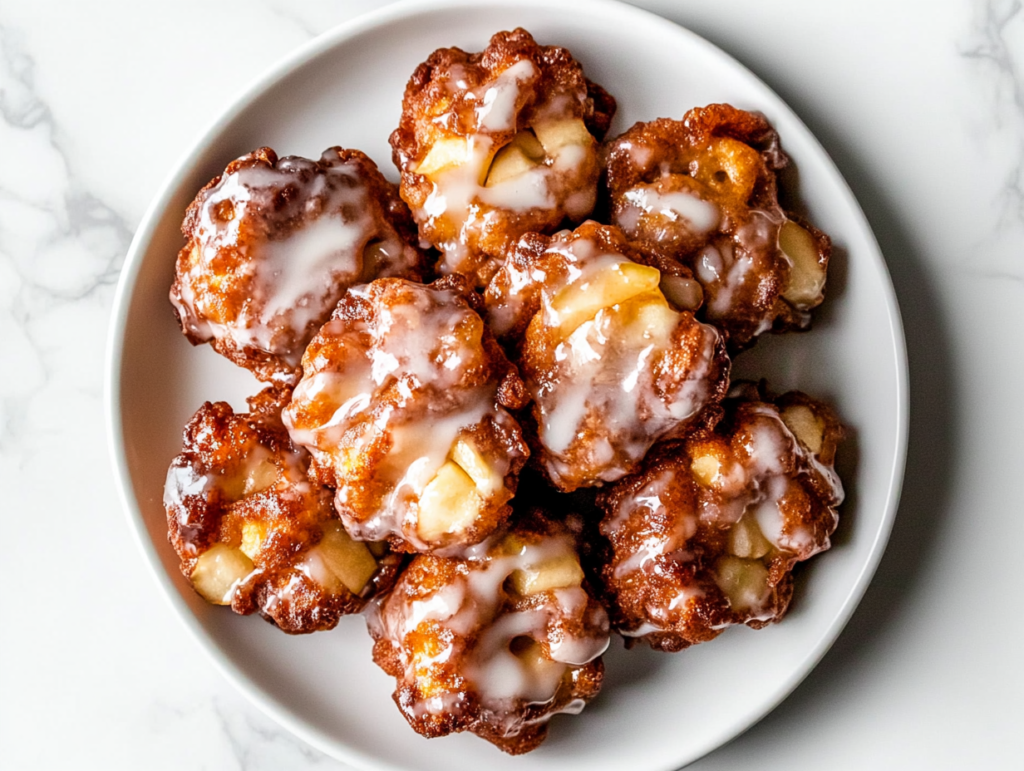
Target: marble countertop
column 921, row 105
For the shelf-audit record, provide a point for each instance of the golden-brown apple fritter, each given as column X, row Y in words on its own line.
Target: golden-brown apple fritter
column 611, row 365
column 706, row 534
column 253, row 532
column 274, row 243
column 403, row 406
column 495, row 643
column 496, row 144
column 701, row 194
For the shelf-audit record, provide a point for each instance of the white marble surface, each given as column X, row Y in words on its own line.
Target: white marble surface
column 921, row 104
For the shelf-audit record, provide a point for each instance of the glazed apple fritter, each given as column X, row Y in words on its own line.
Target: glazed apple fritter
column 404, row 406
column 272, row 244
column 497, row 642
column 496, row 144
column 706, row 534
column 253, row 532
column 611, row 365
column 699, row 196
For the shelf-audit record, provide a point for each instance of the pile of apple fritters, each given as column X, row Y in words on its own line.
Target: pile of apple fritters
column 499, row 420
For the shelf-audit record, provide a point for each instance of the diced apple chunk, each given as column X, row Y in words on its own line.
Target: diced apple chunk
column 806, row 282
column 556, row 134
column 706, row 469
column 580, row 301
column 218, row 570
column 486, row 478
column 685, row 293
column 805, row 425
column 449, row 504
column 746, row 539
column 563, row 571
column 444, row 153
column 743, row 581
column 349, row 560
column 647, row 316
column 260, row 476
column 520, row 155
column 543, row 674
column 509, row 163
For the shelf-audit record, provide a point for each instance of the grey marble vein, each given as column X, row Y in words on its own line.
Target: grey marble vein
column 994, row 50
column 60, row 244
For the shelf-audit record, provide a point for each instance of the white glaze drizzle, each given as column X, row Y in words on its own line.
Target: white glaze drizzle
column 697, row 215
column 497, row 110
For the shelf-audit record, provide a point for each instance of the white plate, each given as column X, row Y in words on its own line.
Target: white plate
column 657, row 711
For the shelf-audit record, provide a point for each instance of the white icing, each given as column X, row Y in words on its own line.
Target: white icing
column 766, row 477
column 731, row 267
column 646, row 628
column 497, row 111
column 698, row 215
column 298, row 269
column 522, row 193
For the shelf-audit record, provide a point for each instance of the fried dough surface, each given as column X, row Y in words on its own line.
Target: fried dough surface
column 706, row 534
column 404, row 406
column 254, row 533
column 272, row 244
column 496, row 144
column 612, row 367
column 699, row 196
column 495, row 643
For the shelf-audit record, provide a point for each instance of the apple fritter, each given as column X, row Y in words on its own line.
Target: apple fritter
column 707, row 533
column 612, row 366
column 701, row 194
column 497, row 642
column 496, row 144
column 272, row 244
column 253, row 532
column 404, row 406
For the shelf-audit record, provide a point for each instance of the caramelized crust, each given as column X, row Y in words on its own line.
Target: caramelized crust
column 699, row 197
column 403, row 407
column 253, row 532
column 274, row 243
column 611, row 365
column 706, row 534
column 495, row 643
column 496, row 144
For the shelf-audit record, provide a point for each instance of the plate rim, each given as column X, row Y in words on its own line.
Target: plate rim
column 146, row 230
